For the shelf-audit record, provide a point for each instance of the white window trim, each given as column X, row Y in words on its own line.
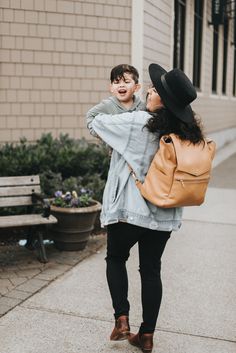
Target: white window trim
column 137, row 32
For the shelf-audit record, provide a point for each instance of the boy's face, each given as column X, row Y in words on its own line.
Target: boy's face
column 123, row 88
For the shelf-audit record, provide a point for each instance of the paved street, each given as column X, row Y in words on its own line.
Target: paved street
column 198, row 315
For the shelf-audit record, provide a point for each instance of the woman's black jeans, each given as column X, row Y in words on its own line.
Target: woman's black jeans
column 151, row 243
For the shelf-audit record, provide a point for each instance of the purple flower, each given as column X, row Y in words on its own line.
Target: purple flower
column 74, row 202
column 90, row 192
column 68, row 196
column 83, row 191
column 72, row 199
column 58, row 193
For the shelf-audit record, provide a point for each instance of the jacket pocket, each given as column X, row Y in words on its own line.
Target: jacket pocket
column 114, row 188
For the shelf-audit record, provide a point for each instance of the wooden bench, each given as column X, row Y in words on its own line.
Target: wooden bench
column 25, row 191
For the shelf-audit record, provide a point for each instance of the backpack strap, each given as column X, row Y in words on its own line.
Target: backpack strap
column 134, row 176
column 132, row 173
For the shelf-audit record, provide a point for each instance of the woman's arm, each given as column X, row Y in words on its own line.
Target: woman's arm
column 117, row 130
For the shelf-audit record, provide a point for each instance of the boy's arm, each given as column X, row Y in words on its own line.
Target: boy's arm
column 101, row 108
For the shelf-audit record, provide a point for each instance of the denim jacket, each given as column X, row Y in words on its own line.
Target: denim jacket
column 136, row 146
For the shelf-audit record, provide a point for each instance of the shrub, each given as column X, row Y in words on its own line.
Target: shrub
column 59, row 162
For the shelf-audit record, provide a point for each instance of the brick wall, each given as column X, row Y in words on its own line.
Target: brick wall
column 56, row 58
column 158, row 32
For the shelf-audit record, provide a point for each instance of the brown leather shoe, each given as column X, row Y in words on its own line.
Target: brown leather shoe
column 121, row 330
column 145, row 341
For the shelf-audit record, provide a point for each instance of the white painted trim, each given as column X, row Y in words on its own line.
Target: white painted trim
column 137, row 33
column 230, row 67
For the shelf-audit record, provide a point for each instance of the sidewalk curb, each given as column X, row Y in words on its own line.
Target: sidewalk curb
column 224, row 153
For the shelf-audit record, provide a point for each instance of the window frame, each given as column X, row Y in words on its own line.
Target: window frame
column 179, row 34
column 215, row 54
column 197, row 44
column 225, row 55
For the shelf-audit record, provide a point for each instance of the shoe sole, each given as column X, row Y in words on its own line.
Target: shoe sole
column 143, row 350
column 121, row 337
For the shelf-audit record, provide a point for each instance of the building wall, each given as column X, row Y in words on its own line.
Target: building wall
column 158, row 29
column 56, row 58
column 218, row 111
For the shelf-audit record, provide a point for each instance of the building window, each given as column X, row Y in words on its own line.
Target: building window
column 179, row 33
column 225, row 55
column 197, row 46
column 215, row 58
column 234, row 74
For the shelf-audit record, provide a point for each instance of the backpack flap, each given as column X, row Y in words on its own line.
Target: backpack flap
column 193, row 159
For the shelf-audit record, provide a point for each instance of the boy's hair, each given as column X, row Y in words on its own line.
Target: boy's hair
column 118, row 72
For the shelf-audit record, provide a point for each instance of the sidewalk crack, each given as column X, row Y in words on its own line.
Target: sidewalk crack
column 60, row 312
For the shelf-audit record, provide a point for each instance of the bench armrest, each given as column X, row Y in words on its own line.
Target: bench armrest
column 36, row 197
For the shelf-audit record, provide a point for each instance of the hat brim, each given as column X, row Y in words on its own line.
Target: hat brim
column 185, row 114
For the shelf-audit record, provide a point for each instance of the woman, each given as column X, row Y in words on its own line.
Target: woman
column 134, row 138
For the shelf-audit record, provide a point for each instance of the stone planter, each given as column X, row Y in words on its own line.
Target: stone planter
column 74, row 226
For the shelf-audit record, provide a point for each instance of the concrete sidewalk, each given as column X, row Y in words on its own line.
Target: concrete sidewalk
column 198, row 314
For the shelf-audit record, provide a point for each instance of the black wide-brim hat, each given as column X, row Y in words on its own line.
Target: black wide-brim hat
column 175, row 90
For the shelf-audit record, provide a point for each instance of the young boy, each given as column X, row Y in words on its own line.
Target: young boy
column 124, row 83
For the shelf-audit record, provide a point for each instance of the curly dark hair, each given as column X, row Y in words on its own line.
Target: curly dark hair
column 163, row 122
column 118, row 72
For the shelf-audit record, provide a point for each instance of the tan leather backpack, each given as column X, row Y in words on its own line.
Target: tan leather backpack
column 179, row 173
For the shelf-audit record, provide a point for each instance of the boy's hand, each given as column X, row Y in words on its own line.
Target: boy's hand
column 110, row 152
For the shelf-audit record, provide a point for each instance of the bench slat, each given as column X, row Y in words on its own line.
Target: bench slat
column 25, row 220
column 19, row 180
column 15, row 201
column 19, row 190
